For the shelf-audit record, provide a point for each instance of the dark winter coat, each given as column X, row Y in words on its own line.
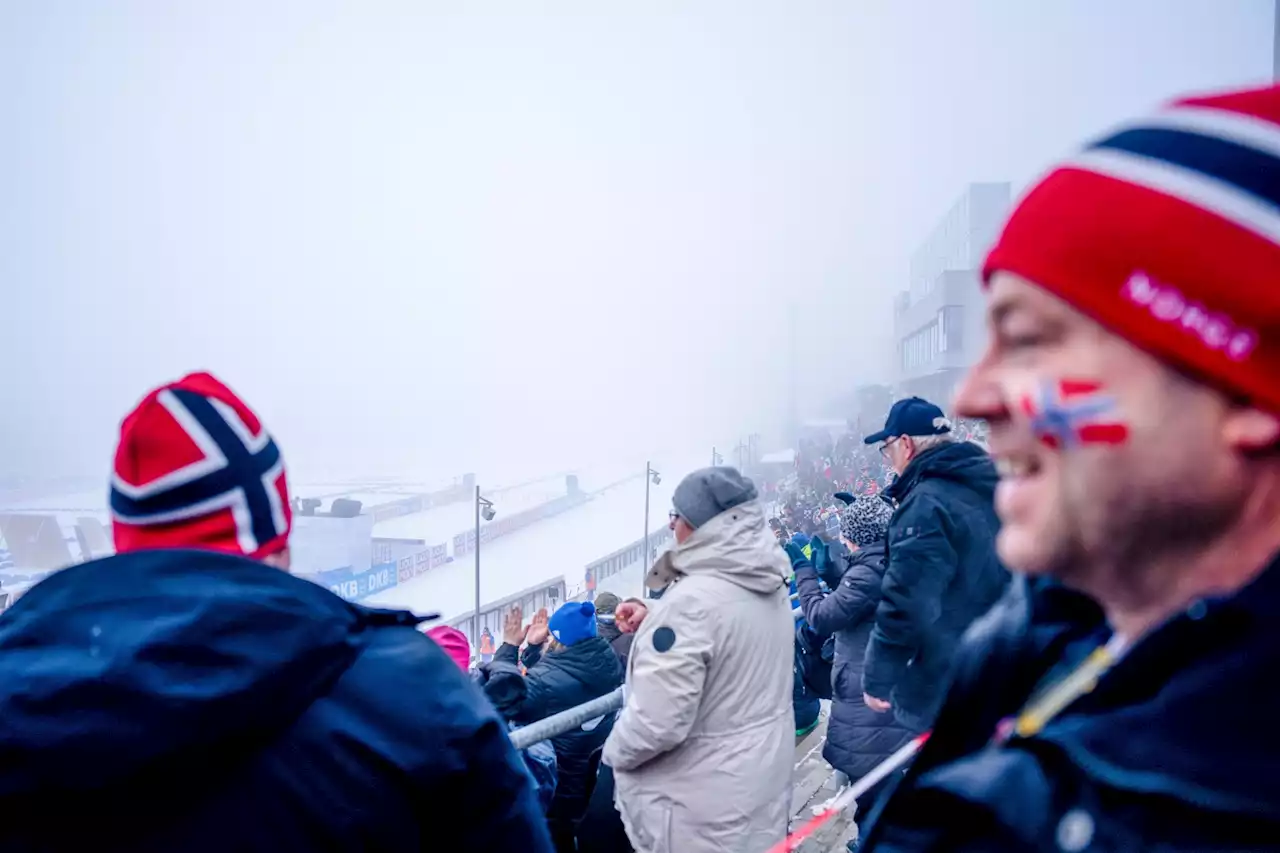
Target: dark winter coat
column 556, row 682
column 601, row 829
column 187, row 700
column 1174, row 750
column 942, row 574
column 620, row 642
column 858, row 738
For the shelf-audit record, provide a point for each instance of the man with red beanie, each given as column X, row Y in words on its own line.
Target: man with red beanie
column 190, row 694
column 1124, row 696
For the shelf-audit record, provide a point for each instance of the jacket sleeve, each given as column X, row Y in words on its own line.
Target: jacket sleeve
column 411, row 704
column 521, row 698
column 668, row 668
column 922, row 563
column 531, row 655
column 853, row 600
column 622, row 648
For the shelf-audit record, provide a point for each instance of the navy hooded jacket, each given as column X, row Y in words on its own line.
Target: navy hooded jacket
column 1174, row 749
column 555, row 682
column 942, row 573
column 188, row 700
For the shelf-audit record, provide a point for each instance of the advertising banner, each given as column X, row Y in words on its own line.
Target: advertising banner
column 356, row 585
column 439, row 554
column 421, row 562
column 406, row 569
column 377, row 579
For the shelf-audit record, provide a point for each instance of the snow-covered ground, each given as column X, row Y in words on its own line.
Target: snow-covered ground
column 441, row 523
column 560, row 547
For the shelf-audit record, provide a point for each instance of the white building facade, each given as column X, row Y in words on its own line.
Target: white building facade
column 938, row 321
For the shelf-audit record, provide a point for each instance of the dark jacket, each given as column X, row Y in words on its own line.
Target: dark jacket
column 556, row 682
column 815, row 653
column 601, row 829
column 858, row 738
column 620, row 642
column 194, row 701
column 942, row 575
column 1174, row 750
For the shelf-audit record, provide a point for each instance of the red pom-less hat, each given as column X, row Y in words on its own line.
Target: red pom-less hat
column 1167, row 231
column 195, row 468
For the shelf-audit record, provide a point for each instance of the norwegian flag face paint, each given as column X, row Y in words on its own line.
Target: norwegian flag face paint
column 1069, row 413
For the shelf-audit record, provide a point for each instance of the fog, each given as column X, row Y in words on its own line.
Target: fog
column 422, row 238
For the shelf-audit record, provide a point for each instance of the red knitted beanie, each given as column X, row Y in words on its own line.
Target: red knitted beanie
column 1167, row 231
column 195, row 468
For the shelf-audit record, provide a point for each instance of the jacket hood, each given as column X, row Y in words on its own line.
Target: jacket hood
column 736, row 545
column 962, row 462
column 138, row 671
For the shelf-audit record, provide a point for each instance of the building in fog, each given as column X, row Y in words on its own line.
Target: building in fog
column 938, row 322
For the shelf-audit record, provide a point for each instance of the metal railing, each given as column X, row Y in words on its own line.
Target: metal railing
column 567, row 720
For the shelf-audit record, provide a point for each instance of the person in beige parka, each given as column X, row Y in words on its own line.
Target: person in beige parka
column 702, row 751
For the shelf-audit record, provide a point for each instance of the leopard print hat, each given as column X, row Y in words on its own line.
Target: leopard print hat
column 866, row 520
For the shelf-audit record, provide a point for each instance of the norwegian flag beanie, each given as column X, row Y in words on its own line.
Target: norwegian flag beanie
column 1167, row 231
column 195, row 468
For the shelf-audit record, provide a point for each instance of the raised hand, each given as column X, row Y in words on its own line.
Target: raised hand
column 538, row 629
column 628, row 615
column 513, row 629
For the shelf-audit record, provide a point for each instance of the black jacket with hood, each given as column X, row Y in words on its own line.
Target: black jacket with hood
column 555, row 682
column 1173, row 750
column 188, row 700
column 942, row 574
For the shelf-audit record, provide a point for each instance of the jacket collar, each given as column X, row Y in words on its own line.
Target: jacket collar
column 736, row 545
column 1182, row 714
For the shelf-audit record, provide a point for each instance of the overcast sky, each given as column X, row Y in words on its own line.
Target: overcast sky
column 423, row 237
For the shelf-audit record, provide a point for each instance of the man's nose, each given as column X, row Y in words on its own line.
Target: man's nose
column 980, row 395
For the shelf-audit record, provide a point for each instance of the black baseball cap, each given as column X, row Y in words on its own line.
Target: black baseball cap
column 911, row 416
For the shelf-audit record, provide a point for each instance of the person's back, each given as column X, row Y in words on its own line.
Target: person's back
column 857, row 738
column 569, row 664
column 186, row 700
column 749, row 628
column 942, row 574
column 190, row 694
column 959, row 478
column 703, row 749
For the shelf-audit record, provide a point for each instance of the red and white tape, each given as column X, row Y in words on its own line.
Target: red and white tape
column 850, row 795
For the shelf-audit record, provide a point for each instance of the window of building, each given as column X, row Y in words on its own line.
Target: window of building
column 953, row 320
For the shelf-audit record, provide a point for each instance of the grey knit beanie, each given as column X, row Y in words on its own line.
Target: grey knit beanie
column 707, row 492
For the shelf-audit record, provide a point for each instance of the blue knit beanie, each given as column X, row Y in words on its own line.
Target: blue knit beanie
column 573, row 622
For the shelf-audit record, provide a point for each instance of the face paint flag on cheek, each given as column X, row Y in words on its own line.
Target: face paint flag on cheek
column 1069, row 413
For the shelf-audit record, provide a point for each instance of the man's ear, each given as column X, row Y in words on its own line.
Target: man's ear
column 280, row 560
column 1251, row 430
